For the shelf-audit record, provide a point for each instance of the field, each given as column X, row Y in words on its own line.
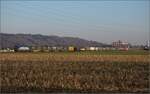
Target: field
column 75, row 72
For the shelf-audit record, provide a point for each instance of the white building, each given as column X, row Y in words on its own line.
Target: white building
column 7, row 50
column 23, row 49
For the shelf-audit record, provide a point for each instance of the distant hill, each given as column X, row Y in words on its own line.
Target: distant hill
column 11, row 40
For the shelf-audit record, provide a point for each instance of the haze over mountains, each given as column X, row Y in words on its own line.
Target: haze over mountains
column 11, row 40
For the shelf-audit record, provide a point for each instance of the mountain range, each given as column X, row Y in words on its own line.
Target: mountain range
column 12, row 40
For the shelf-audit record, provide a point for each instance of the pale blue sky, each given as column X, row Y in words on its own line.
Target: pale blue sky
column 102, row 21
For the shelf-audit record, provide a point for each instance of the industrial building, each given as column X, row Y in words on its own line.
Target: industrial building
column 119, row 45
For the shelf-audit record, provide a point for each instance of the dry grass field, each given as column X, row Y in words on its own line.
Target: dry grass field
column 70, row 72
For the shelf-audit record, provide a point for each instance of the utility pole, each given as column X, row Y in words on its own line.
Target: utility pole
column 0, row 40
column 0, row 30
column 148, row 43
column 1, row 35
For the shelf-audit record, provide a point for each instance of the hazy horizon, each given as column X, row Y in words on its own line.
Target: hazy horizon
column 102, row 21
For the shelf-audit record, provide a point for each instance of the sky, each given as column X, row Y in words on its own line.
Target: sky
column 102, row 21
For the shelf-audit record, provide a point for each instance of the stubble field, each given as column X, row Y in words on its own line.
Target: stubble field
column 73, row 72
